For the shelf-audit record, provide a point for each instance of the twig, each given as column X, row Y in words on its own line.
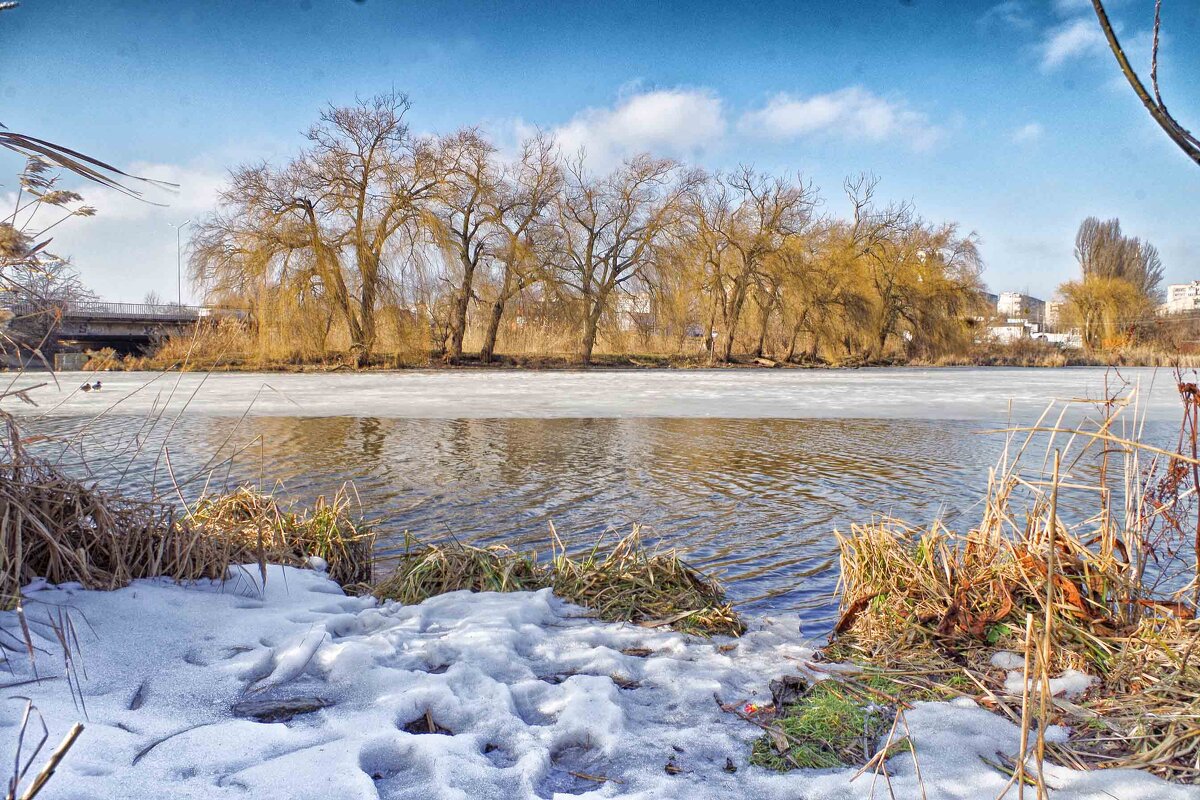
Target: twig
column 57, row 756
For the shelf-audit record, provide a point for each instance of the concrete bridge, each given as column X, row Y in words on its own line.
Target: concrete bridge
column 125, row 327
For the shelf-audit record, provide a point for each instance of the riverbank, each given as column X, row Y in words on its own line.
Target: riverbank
column 528, row 695
column 293, row 689
column 1023, row 354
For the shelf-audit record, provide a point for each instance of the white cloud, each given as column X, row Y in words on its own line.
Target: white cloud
column 1013, row 13
column 1076, row 38
column 197, row 193
column 1028, row 133
column 853, row 112
column 671, row 122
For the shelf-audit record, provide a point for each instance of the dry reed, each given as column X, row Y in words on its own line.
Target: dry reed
column 1110, row 595
column 64, row 530
column 627, row 583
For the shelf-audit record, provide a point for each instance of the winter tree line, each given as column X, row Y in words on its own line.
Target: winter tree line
column 373, row 237
column 374, row 240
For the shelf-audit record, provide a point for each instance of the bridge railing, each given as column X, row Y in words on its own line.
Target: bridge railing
column 96, row 308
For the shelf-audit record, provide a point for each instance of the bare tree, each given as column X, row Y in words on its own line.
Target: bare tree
column 528, row 189
column 463, row 219
column 1102, row 250
column 338, row 207
column 882, row 243
column 608, row 227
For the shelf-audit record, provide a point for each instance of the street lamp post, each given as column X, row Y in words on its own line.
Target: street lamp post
column 179, row 261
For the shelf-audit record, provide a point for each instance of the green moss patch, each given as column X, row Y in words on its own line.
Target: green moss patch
column 830, row 726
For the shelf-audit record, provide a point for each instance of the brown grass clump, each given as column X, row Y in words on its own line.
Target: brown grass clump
column 64, row 530
column 633, row 584
column 424, row 571
column 256, row 528
column 629, row 583
column 911, row 586
column 1113, row 595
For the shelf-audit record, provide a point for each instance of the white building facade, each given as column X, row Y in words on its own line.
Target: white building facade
column 1015, row 305
column 1182, row 297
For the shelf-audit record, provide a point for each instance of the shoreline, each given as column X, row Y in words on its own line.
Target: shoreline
column 1044, row 357
column 534, row 682
column 530, row 699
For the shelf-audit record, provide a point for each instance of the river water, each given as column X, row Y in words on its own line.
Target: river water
column 747, row 472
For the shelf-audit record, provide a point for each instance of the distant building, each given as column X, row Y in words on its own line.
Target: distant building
column 1016, row 305
column 635, row 311
column 1008, row 333
column 1054, row 312
column 1182, row 297
column 1066, row 339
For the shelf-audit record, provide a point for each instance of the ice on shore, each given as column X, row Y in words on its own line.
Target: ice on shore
column 992, row 394
column 536, row 701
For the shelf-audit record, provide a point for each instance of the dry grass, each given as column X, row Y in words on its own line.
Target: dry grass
column 64, row 530
column 1112, row 595
column 424, row 571
column 254, row 524
column 627, row 583
column 631, row 583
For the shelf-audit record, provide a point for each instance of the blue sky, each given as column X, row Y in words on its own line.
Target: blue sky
column 1008, row 117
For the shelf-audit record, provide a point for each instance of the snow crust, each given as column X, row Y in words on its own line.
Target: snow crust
column 895, row 393
column 1072, row 683
column 530, row 690
column 1006, row 659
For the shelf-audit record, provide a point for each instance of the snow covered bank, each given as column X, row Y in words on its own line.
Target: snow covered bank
column 535, row 697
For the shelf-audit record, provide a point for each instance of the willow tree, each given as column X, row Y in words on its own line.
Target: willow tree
column 362, row 182
column 820, row 301
column 744, row 219
column 1106, row 310
column 526, row 234
column 943, row 290
column 608, row 227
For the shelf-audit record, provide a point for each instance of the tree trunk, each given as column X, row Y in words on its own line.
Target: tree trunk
column 591, row 323
column 735, row 312
column 493, row 331
column 762, row 332
column 791, row 352
column 458, row 322
column 362, row 345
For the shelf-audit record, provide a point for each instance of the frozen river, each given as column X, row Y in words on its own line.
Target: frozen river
column 746, row 471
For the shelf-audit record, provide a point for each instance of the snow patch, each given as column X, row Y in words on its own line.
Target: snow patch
column 1072, row 683
column 1006, row 659
column 463, row 696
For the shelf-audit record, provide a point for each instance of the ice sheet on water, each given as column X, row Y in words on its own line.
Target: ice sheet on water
column 528, row 699
column 900, row 393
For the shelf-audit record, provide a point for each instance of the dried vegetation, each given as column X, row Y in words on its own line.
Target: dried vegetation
column 64, row 530
column 1112, row 595
column 627, row 583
